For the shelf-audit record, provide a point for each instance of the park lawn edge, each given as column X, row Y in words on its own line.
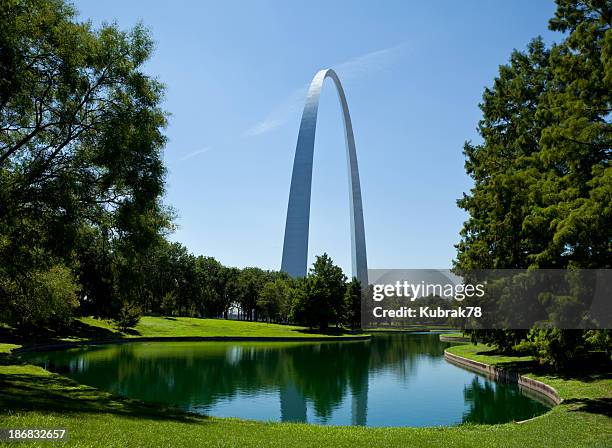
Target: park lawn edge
column 168, row 326
column 91, row 330
column 117, row 421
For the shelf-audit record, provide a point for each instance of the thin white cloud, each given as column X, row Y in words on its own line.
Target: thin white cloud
column 195, row 153
column 349, row 71
column 368, row 64
column 264, row 126
column 289, row 107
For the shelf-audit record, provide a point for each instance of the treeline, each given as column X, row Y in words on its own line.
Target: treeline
column 542, row 190
column 168, row 280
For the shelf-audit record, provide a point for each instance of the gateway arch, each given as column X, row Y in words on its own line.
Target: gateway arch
column 295, row 246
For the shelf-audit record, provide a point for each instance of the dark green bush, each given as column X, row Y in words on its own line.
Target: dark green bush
column 43, row 298
column 128, row 316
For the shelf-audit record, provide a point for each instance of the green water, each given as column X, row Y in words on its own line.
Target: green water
column 392, row 380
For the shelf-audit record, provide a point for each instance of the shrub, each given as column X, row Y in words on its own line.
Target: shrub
column 557, row 348
column 168, row 303
column 128, row 316
column 41, row 298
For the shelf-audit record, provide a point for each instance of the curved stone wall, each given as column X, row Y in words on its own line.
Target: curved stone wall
column 499, row 374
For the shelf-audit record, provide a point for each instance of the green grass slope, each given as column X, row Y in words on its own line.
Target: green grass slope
column 150, row 326
column 92, row 329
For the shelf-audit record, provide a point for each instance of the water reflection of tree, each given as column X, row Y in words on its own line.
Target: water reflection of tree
column 401, row 352
column 323, row 374
column 497, row 403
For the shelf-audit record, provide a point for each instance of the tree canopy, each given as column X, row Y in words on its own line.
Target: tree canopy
column 81, row 135
column 542, row 195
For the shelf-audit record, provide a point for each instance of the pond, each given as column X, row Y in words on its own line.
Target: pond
column 391, row 380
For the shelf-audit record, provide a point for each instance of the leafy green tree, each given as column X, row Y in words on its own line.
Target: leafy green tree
column 272, row 299
column 80, row 146
column 542, row 179
column 555, row 347
column 352, row 304
column 210, row 280
column 505, row 166
column 168, row 303
column 94, row 272
column 231, row 289
column 321, row 300
column 44, row 298
column 128, row 316
column 250, row 284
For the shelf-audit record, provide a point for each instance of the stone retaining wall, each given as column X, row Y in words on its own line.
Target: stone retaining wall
column 499, row 374
column 461, row 339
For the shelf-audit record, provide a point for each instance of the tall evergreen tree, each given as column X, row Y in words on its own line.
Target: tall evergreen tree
column 542, row 194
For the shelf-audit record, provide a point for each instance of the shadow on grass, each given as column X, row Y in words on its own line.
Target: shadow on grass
column 53, row 393
column 130, row 331
column 8, row 360
column 585, row 369
column 76, row 330
column 594, row 406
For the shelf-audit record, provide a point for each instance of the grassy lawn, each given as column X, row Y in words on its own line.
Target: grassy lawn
column 189, row 326
column 32, row 397
column 89, row 328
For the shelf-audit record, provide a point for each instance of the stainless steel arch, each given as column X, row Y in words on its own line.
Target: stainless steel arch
column 295, row 247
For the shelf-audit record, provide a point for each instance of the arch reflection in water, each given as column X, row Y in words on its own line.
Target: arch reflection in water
column 399, row 380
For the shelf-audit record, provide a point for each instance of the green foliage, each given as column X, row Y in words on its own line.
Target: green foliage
column 321, row 300
column 211, row 280
column 41, row 298
column 352, row 304
column 599, row 340
column 128, row 316
column 542, row 195
column 562, row 349
column 274, row 301
column 81, row 172
column 168, row 303
column 250, row 284
column 555, row 347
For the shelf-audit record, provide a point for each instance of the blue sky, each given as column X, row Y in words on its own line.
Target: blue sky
column 236, row 74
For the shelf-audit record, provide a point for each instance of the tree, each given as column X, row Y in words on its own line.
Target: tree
column 273, row 299
column 231, row 291
column 321, row 299
column 210, row 295
column 44, row 298
column 80, row 146
column 542, row 179
column 250, row 284
column 352, row 304
column 504, row 167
